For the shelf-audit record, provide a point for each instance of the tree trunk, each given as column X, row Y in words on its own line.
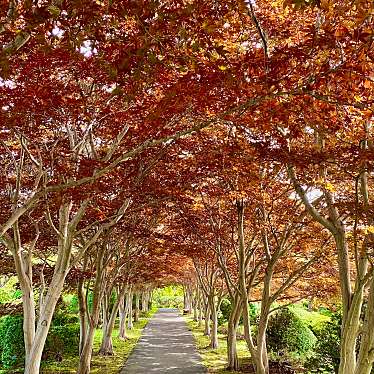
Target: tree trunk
column 106, row 348
column 91, row 319
column 185, row 301
column 200, row 317
column 83, row 325
column 136, row 311
column 145, row 300
column 232, row 354
column 195, row 304
column 214, row 330
column 129, row 298
column 32, row 363
column 187, row 298
column 352, row 305
column 122, row 317
column 232, row 326
column 255, row 354
column 207, row 320
column 29, row 318
column 262, row 360
column 84, row 366
column 366, row 353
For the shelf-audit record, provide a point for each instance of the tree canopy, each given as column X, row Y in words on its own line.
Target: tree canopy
column 223, row 145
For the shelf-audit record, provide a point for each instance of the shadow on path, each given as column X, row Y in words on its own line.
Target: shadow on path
column 166, row 346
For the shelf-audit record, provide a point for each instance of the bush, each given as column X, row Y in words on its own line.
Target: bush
column 286, row 333
column 62, row 319
column 253, row 313
column 326, row 351
column 170, row 302
column 11, row 341
column 73, row 304
column 62, row 340
column 224, row 311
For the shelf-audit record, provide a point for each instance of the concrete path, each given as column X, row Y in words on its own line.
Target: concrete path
column 166, row 346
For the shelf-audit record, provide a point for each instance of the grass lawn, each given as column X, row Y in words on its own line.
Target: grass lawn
column 215, row 359
column 99, row 364
column 102, row 364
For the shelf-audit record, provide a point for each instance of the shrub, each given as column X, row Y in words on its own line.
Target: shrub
column 170, row 302
column 224, row 311
column 326, row 351
column 11, row 341
column 73, row 304
column 254, row 313
column 286, row 333
column 62, row 319
column 62, row 340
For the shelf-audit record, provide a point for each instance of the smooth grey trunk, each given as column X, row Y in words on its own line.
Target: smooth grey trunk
column 200, row 316
column 257, row 356
column 91, row 318
column 28, row 320
column 129, row 298
column 32, row 363
column 122, row 317
column 207, row 320
column 106, row 348
column 366, row 353
column 83, row 323
column 195, row 304
column 232, row 327
column 214, row 329
column 351, row 300
column 84, row 366
column 145, row 300
column 187, row 299
column 137, row 307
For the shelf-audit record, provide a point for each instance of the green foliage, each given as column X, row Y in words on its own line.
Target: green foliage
column 325, row 311
column 326, row 352
column 168, row 297
column 169, row 302
column 62, row 319
column 224, row 311
column 312, row 319
column 62, row 340
column 254, row 310
column 287, row 333
column 71, row 302
column 12, row 348
column 9, row 291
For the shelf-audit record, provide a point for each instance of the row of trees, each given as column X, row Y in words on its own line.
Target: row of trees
column 283, row 229
column 137, row 135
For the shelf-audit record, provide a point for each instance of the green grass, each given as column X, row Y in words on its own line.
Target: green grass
column 99, row 364
column 216, row 359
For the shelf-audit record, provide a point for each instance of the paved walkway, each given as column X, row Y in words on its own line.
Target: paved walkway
column 166, row 346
